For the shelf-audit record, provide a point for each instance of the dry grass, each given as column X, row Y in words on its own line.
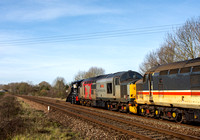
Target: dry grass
column 19, row 122
column 41, row 127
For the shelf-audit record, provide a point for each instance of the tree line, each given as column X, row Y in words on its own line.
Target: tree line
column 58, row 89
column 182, row 44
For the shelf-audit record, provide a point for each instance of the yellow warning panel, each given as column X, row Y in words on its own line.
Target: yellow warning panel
column 132, row 91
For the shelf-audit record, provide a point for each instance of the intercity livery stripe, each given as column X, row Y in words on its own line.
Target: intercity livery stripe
column 171, row 92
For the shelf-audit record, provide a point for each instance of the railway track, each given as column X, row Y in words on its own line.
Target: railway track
column 130, row 116
column 127, row 127
column 139, row 119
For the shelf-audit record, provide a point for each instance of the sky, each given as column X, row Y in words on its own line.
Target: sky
column 41, row 40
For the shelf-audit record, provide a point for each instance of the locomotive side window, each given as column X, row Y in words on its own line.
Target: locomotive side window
column 185, row 70
column 116, row 81
column 173, row 71
column 196, row 69
column 93, row 86
column 165, row 72
column 109, row 88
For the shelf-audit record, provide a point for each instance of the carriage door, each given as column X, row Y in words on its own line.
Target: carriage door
column 116, row 92
column 150, row 84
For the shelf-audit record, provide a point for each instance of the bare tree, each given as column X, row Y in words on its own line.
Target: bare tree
column 150, row 61
column 165, row 54
column 197, row 30
column 92, row 72
column 59, row 87
column 182, row 44
column 186, row 39
column 80, row 75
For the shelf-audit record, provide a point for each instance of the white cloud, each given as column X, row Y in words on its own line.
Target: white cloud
column 47, row 10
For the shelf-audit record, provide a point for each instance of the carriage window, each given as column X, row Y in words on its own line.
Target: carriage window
column 185, row 70
column 196, row 69
column 165, row 72
column 173, row 71
column 109, row 88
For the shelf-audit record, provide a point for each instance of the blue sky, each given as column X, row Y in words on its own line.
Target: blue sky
column 35, row 43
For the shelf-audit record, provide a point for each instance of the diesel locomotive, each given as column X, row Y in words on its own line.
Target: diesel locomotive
column 111, row 91
column 169, row 91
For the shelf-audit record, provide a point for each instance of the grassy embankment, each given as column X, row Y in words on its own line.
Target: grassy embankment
column 19, row 121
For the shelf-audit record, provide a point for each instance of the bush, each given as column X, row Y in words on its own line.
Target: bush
column 10, row 122
column 43, row 92
column 9, row 108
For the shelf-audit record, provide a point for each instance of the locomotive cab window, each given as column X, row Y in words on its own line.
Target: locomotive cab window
column 93, row 86
column 109, row 88
column 138, row 76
